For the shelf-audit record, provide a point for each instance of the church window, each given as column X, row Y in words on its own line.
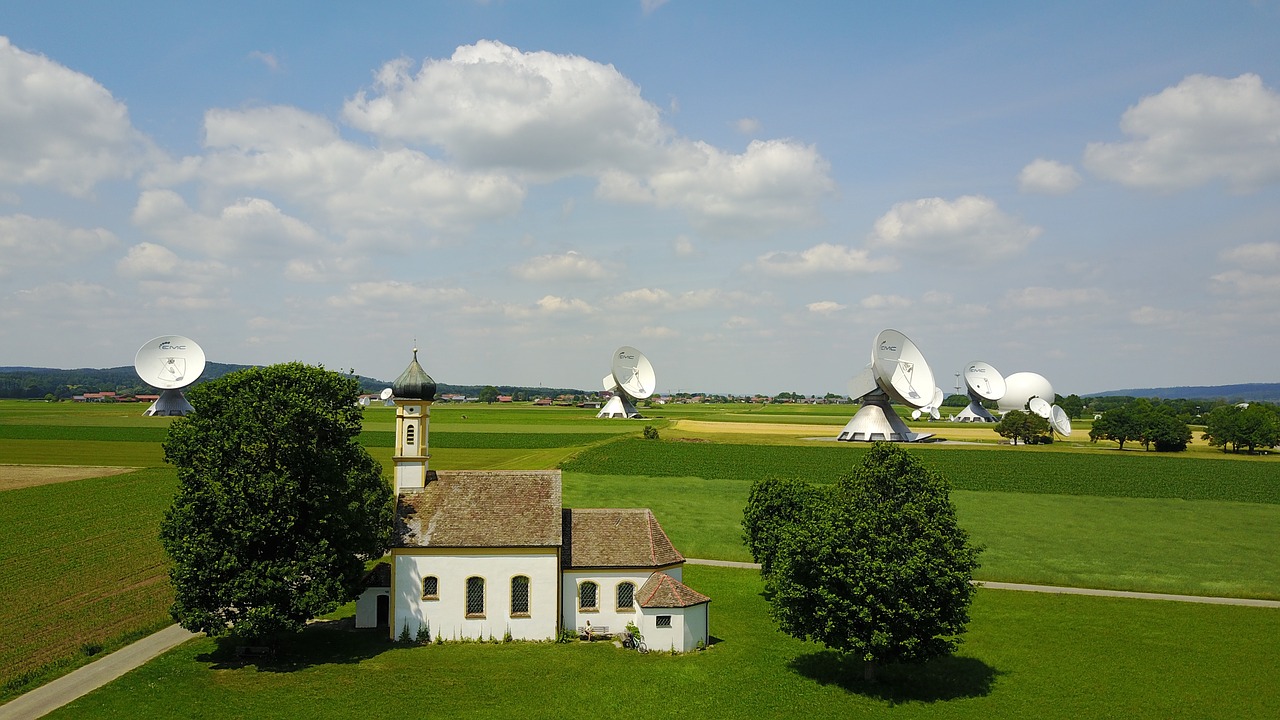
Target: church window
column 475, row 597
column 520, row 596
column 430, row 588
column 587, row 593
column 664, row 621
column 408, row 434
column 626, row 596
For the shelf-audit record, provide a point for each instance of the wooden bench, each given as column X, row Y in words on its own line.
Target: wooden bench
column 597, row 631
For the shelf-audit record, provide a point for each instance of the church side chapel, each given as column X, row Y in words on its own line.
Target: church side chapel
column 480, row 554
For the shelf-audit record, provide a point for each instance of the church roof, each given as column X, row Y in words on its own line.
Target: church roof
column 663, row 591
column 481, row 508
column 378, row 576
column 414, row 383
column 631, row 538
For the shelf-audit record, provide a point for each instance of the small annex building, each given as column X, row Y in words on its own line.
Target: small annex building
column 493, row 554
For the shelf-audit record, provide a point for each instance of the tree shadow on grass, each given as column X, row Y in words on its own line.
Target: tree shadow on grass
column 334, row 642
column 946, row 678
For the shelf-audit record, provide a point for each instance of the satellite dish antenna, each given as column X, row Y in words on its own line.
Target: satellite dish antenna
column 1040, row 406
column 386, row 394
column 169, row 363
column 983, row 382
column 897, row 373
column 1059, row 421
column 631, row 378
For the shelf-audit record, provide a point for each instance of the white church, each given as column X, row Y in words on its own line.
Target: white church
column 492, row 554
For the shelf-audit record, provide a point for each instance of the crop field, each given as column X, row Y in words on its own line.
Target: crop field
column 1025, row 655
column 83, row 571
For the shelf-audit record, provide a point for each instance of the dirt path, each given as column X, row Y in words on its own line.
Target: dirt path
column 1246, row 602
column 47, row 698
column 13, row 477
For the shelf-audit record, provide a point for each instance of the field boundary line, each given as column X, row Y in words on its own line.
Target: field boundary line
column 1056, row 589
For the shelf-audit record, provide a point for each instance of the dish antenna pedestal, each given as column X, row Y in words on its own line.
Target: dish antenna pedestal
column 897, row 373
column 169, row 363
column 631, row 378
column 876, row 420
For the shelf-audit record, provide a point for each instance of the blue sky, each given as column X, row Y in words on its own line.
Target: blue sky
column 747, row 192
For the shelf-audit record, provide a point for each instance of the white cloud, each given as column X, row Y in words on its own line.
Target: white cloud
column 1266, row 254
column 555, row 304
column 773, row 184
column 491, row 105
column 747, row 126
column 822, row 258
column 885, row 302
column 1048, row 177
column 684, row 246
column 156, row 262
column 1245, row 283
column 970, row 228
column 552, row 268
column 61, row 304
column 61, row 128
column 268, row 59
column 367, row 195
column 1044, row 298
column 649, row 6
column 1202, row 129
column 658, row 332
column 825, row 307
column 29, row 242
column 740, row 322
column 249, row 228
column 649, row 299
column 390, row 294
column 1157, row 317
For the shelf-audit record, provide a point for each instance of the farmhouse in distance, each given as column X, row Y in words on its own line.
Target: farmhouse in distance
column 494, row 554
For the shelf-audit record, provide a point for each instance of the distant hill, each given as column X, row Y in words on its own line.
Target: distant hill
column 1247, row 392
column 31, row 382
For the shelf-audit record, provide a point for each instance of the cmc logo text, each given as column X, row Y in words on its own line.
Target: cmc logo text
column 166, row 345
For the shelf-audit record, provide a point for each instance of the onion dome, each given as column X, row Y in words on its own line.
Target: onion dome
column 414, row 383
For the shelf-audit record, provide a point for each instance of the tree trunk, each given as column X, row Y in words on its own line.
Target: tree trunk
column 869, row 670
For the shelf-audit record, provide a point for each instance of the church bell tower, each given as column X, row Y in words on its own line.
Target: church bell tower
column 414, row 391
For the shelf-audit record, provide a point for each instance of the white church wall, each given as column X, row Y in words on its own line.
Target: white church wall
column 607, row 613
column 367, row 607
column 447, row 615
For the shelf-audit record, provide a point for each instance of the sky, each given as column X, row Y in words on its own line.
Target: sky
column 748, row 192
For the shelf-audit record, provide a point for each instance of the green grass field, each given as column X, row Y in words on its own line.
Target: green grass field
column 1026, row 655
column 82, row 565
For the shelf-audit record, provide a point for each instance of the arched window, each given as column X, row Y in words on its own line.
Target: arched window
column 520, row 596
column 408, row 434
column 475, row 597
column 588, row 593
column 430, row 588
column 626, row 597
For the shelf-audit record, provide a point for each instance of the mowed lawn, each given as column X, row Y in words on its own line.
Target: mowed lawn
column 1139, row 521
column 1025, row 655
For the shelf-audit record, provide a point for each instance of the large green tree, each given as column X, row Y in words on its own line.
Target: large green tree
column 774, row 506
column 278, row 506
column 1027, row 427
column 881, row 570
column 1251, row 427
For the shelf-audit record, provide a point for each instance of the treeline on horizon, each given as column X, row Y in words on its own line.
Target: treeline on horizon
column 29, row 383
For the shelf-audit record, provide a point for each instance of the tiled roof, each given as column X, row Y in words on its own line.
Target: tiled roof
column 378, row 576
column 629, row 538
column 481, row 508
column 663, row 591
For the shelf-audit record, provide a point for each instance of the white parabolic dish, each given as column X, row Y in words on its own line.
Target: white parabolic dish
column 169, row 362
column 1020, row 387
column 1059, row 420
column 901, row 370
column 984, row 381
column 1040, row 406
column 633, row 372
